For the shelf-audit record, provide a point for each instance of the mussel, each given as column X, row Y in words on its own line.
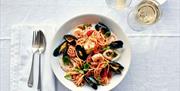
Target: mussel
column 81, row 52
column 116, row 44
column 103, row 28
column 73, row 43
column 116, row 67
column 60, row 49
column 70, row 39
column 92, row 82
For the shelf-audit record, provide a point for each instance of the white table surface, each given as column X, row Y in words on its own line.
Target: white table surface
column 155, row 53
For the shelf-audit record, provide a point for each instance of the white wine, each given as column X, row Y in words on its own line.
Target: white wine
column 120, row 4
column 148, row 12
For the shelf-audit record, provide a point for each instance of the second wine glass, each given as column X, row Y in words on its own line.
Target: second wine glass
column 118, row 4
column 144, row 15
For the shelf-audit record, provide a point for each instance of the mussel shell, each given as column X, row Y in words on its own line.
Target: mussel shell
column 116, row 67
column 70, row 39
column 116, row 44
column 73, row 43
column 81, row 52
column 104, row 29
column 92, row 82
column 60, row 49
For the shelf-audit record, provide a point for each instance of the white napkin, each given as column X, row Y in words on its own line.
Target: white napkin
column 21, row 58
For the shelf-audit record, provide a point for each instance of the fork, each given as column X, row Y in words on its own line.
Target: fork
column 35, row 47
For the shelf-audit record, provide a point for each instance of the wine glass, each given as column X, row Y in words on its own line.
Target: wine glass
column 118, row 4
column 144, row 15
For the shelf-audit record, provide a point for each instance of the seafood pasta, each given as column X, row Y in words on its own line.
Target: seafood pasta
column 89, row 54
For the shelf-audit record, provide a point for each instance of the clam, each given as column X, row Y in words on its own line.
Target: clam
column 111, row 54
column 116, row 67
column 92, row 82
column 60, row 49
column 70, row 39
column 81, row 52
column 103, row 28
column 116, row 44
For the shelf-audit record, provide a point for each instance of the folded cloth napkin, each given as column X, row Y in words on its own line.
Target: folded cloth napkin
column 21, row 58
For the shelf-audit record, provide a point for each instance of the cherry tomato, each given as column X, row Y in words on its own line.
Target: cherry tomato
column 96, row 49
column 89, row 32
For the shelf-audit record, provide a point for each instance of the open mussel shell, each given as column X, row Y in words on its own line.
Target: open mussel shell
column 70, row 39
column 60, row 49
column 92, row 82
column 81, row 52
column 73, row 43
column 103, row 28
column 116, row 67
column 116, row 44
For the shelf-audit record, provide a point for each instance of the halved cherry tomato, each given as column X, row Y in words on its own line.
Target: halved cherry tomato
column 96, row 48
column 89, row 32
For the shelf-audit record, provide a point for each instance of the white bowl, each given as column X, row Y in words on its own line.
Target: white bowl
column 125, row 58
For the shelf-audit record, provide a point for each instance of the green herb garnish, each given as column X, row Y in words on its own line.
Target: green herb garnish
column 86, row 66
column 86, row 25
column 79, row 70
column 68, row 77
column 106, row 48
column 66, row 60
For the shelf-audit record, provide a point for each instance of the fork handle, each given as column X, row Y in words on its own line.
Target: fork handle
column 39, row 79
column 31, row 76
